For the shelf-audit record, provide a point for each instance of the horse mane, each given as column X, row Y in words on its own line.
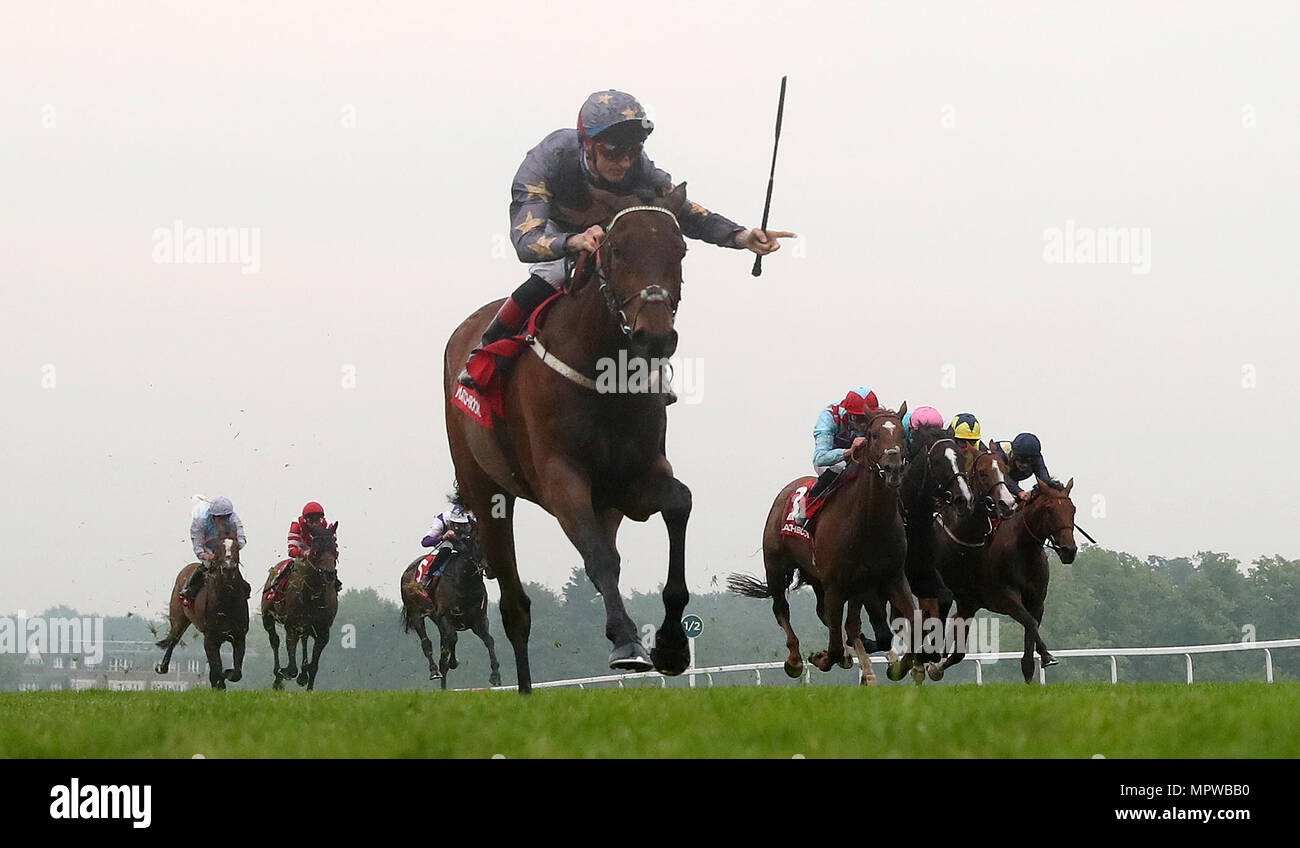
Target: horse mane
column 926, row 436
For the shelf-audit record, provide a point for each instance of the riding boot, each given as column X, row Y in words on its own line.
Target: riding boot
column 192, row 587
column 508, row 321
column 823, row 483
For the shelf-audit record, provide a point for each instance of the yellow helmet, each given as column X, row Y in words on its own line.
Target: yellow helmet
column 965, row 426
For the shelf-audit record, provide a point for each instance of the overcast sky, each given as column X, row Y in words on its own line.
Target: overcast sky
column 931, row 154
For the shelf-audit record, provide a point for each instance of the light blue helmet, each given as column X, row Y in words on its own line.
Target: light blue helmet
column 221, row 506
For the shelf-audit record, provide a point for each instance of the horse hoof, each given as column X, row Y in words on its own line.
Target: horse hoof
column 278, row 683
column 794, row 670
column 670, row 661
column 494, row 680
column 1049, row 661
column 434, row 675
column 160, row 669
column 303, row 678
column 934, row 670
column 821, row 660
column 918, row 675
column 895, row 671
column 453, row 665
column 234, row 675
column 633, row 657
column 220, row 684
column 846, row 661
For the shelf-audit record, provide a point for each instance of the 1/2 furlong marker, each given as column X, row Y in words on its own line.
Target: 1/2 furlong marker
column 767, row 204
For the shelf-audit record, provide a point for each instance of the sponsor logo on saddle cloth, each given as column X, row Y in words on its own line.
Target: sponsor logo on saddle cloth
column 488, row 404
column 811, row 508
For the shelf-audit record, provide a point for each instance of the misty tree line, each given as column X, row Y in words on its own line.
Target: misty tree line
column 1105, row 599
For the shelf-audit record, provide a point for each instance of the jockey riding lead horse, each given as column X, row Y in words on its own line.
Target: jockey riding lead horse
column 588, row 457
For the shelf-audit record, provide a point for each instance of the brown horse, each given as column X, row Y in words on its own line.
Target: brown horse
column 220, row 611
column 306, row 607
column 459, row 602
column 1009, row 574
column 588, row 457
column 856, row 555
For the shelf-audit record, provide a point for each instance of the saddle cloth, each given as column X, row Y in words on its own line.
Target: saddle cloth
column 486, row 404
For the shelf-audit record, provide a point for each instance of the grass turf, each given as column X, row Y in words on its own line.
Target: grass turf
column 995, row 720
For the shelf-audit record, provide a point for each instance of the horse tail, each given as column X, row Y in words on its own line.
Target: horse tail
column 748, row 587
column 406, row 619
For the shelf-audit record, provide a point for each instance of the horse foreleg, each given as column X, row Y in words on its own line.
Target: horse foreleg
column 833, row 610
column 236, row 672
column 480, row 629
column 212, row 647
column 670, row 497
column 268, row 623
column 290, row 670
column 1016, row 609
column 853, row 636
column 304, row 673
column 900, row 599
column 568, row 496
column 319, row 641
column 961, row 625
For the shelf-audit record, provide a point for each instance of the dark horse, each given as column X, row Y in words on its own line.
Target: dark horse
column 933, row 477
column 459, row 602
column 1009, row 573
column 220, row 612
column 588, row 457
column 307, row 607
column 856, row 555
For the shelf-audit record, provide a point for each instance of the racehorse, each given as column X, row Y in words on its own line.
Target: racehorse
column 932, row 477
column 459, row 602
column 219, row 612
column 1009, row 574
column 306, row 607
column 588, row 457
column 856, row 554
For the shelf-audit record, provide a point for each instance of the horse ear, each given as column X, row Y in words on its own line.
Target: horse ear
column 675, row 202
column 334, row 528
column 1069, row 486
column 902, row 410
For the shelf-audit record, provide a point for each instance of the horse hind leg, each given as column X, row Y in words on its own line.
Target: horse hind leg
column 498, row 536
column 212, row 647
column 446, row 645
column 427, row 647
column 319, row 642
column 290, row 670
column 268, row 623
column 236, row 672
column 304, row 675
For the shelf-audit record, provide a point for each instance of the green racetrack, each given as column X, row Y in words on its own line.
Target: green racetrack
column 995, row 720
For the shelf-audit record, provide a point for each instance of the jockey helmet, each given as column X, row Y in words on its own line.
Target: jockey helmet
column 859, row 401
column 965, row 426
column 924, row 416
column 1026, row 445
column 614, row 117
column 313, row 508
column 221, row 506
column 459, row 514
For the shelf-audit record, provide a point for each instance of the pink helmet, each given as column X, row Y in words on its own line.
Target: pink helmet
column 925, row 416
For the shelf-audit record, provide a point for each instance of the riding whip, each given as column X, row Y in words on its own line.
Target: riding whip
column 767, row 204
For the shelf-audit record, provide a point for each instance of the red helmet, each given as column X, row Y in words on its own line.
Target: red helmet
column 859, row 400
column 313, row 508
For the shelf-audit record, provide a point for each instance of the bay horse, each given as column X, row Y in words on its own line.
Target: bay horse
column 933, row 477
column 306, row 607
column 459, row 602
column 588, row 457
column 219, row 611
column 1010, row 573
column 856, row 554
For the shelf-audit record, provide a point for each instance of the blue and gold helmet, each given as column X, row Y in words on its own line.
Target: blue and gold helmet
column 615, row 117
column 965, row 426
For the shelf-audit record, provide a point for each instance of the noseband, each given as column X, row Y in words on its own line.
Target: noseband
column 929, row 455
column 648, row 295
column 1047, row 537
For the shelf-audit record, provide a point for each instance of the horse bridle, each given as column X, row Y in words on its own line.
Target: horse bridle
column 1047, row 537
column 985, row 500
column 648, row 295
column 946, row 491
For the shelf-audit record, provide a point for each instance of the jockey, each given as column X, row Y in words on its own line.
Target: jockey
column 301, row 531
column 451, row 532
column 915, row 419
column 604, row 151
column 205, row 533
column 837, row 426
column 1024, row 458
column 966, row 430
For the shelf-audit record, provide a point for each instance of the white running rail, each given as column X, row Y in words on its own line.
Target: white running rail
column 757, row 669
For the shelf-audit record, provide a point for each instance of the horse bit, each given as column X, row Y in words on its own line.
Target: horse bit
column 648, row 295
